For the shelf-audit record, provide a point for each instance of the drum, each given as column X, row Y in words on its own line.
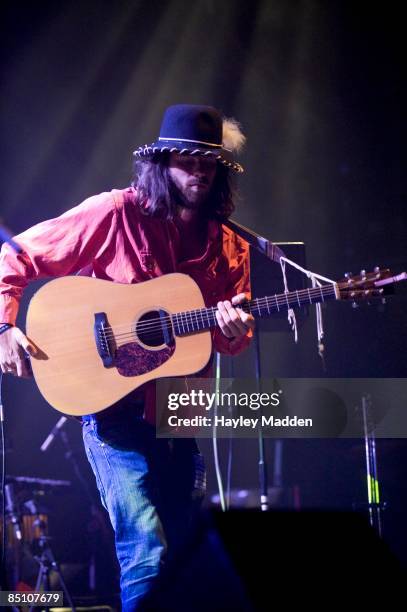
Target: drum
column 31, row 527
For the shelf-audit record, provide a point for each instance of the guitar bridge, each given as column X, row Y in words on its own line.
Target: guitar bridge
column 103, row 338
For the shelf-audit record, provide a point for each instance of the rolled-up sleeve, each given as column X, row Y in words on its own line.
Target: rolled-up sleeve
column 56, row 247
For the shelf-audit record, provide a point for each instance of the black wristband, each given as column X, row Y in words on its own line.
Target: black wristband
column 4, row 327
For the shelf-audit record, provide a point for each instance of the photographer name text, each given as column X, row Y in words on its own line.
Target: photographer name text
column 238, row 422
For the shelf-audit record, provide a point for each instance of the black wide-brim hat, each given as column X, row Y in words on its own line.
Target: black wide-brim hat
column 193, row 130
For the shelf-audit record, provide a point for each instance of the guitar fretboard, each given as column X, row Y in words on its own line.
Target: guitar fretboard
column 204, row 318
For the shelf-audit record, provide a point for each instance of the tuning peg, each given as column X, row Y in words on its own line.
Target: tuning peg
column 348, row 276
column 376, row 269
column 355, row 305
column 363, row 273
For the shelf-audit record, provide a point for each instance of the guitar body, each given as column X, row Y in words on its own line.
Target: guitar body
column 97, row 341
column 69, row 369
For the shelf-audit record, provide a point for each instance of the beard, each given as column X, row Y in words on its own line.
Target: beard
column 193, row 196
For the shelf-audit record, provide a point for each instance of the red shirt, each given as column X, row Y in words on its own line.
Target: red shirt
column 113, row 238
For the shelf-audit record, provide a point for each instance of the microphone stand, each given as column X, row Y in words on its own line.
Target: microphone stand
column 69, row 453
column 263, row 473
column 53, row 434
column 70, row 456
column 272, row 252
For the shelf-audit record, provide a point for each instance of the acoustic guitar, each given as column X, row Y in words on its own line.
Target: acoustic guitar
column 97, row 340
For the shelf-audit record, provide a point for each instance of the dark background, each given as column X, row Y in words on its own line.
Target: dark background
column 319, row 88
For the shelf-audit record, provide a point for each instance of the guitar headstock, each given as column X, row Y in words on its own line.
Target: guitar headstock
column 365, row 285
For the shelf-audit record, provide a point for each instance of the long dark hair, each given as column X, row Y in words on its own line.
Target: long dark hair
column 153, row 183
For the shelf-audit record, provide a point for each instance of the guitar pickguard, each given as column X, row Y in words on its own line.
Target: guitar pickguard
column 132, row 359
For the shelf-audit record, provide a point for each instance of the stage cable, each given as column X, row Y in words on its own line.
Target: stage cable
column 215, row 439
column 230, row 445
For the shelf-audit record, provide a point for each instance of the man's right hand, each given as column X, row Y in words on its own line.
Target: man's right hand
column 13, row 345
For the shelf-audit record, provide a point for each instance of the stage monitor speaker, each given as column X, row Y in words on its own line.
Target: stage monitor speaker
column 252, row 561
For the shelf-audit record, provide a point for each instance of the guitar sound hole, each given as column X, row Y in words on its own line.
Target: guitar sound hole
column 153, row 329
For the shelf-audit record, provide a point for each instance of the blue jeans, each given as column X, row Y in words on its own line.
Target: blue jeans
column 152, row 489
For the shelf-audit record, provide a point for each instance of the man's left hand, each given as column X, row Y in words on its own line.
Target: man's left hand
column 234, row 322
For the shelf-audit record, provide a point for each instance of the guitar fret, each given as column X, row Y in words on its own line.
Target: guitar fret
column 203, row 324
column 156, row 333
column 204, row 318
column 196, row 325
column 207, row 316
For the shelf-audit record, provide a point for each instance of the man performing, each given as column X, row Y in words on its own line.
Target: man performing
column 169, row 220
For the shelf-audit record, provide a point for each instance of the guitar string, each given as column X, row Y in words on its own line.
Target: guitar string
column 199, row 312
column 156, row 323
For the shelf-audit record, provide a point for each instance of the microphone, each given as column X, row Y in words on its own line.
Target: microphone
column 11, row 510
column 6, row 236
column 53, row 434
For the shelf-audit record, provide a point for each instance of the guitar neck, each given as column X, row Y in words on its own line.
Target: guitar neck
column 204, row 318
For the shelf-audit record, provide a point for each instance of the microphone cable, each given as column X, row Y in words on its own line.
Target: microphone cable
column 218, row 470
